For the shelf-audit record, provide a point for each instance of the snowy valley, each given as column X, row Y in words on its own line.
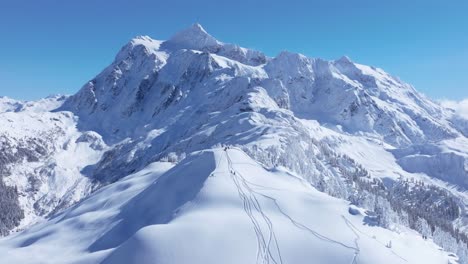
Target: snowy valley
column 192, row 150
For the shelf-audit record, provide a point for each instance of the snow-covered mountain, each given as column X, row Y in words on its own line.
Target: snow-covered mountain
column 349, row 130
column 42, row 157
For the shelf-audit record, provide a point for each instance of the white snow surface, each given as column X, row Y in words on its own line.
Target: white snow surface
column 216, row 206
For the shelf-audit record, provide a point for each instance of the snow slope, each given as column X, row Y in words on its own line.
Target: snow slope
column 215, row 206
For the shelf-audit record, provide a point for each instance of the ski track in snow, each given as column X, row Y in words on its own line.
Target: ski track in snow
column 236, row 175
column 264, row 254
column 356, row 239
column 356, row 230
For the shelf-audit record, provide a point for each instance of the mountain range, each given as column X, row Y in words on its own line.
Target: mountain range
column 191, row 150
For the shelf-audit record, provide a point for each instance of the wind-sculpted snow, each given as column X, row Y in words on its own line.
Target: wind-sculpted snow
column 215, row 206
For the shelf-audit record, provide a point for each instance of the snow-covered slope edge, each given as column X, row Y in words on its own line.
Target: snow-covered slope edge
column 215, row 206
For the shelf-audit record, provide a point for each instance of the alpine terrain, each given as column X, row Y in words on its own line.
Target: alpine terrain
column 191, row 150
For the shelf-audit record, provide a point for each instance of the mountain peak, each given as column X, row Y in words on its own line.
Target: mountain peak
column 344, row 60
column 193, row 37
column 198, row 27
column 288, row 55
column 145, row 43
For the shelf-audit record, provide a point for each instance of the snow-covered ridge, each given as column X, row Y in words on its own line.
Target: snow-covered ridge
column 179, row 214
column 46, row 104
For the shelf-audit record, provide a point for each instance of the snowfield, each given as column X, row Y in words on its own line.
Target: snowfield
column 215, row 206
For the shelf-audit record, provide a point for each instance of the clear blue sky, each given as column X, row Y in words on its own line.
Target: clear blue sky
column 55, row 46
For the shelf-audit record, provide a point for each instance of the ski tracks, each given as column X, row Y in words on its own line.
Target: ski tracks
column 356, row 239
column 356, row 231
column 268, row 248
column 252, row 206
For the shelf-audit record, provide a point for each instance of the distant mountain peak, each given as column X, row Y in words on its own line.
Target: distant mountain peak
column 145, row 43
column 197, row 26
column 193, row 37
column 344, row 60
column 289, row 54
